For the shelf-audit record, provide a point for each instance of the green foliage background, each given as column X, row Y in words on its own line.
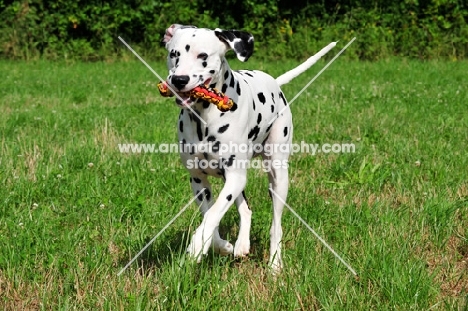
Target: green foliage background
column 88, row 30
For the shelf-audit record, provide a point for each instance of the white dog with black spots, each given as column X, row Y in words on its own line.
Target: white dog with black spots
column 197, row 56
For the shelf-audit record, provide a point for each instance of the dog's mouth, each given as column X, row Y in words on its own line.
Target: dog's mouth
column 184, row 102
column 185, row 99
column 201, row 92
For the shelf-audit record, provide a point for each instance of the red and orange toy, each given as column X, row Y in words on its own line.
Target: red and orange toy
column 210, row 95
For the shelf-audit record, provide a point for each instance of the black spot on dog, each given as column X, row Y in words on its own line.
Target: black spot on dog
column 259, row 118
column 253, row 133
column 273, row 97
column 207, row 194
column 199, row 129
column 206, row 104
column 231, row 83
column 238, row 89
column 206, row 131
column 181, row 126
column 222, row 114
column 211, row 138
column 253, row 104
column 223, row 128
column 234, row 107
column 228, row 162
column 285, row 131
column 229, row 197
column 269, row 127
column 272, row 108
column 187, row 47
column 282, row 98
column 197, row 180
column 224, row 88
column 249, row 74
column 205, row 155
column 261, row 97
column 204, row 64
column 226, row 75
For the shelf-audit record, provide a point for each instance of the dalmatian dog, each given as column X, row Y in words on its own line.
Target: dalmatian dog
column 197, row 56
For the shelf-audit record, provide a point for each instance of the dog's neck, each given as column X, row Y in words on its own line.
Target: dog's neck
column 224, row 76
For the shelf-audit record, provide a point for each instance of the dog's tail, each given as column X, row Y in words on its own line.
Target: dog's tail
column 291, row 74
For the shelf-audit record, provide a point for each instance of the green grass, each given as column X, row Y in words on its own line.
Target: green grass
column 74, row 211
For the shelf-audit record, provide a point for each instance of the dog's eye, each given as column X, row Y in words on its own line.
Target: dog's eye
column 203, row 56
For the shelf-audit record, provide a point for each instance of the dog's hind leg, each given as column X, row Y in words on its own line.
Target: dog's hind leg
column 278, row 178
column 281, row 133
column 199, row 182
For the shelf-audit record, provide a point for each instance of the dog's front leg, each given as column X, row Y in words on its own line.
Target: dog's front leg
column 205, row 200
column 202, row 238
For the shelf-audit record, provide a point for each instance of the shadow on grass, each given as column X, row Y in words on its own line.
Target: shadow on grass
column 173, row 245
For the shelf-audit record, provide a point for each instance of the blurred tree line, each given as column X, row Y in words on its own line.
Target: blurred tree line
column 88, row 30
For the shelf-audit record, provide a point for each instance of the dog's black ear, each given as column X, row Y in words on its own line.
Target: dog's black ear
column 241, row 42
column 171, row 31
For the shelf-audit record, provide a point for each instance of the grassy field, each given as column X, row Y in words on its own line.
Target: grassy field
column 74, row 210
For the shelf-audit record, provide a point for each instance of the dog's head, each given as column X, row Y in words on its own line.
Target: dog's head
column 196, row 56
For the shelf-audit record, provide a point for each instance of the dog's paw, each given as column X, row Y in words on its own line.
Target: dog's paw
column 276, row 265
column 201, row 242
column 223, row 247
column 195, row 252
column 198, row 246
column 242, row 248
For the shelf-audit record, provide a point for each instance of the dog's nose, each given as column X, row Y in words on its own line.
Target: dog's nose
column 180, row 81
